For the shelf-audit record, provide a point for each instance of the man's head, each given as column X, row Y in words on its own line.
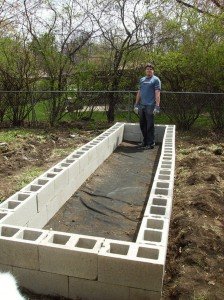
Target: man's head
column 149, row 69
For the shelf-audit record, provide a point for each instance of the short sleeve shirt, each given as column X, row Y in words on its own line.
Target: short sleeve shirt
column 147, row 87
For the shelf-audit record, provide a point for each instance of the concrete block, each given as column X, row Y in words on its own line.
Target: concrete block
column 18, row 246
column 4, row 215
column 44, row 190
column 39, row 220
column 95, row 290
column 139, row 294
column 22, row 210
column 53, row 206
column 159, row 210
column 67, row 254
column 42, row 282
column 133, row 265
column 61, row 180
column 132, row 132
column 153, row 231
column 5, row 268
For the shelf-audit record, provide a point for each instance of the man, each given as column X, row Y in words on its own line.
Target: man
column 147, row 104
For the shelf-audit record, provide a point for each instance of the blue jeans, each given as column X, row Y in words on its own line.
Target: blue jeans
column 147, row 124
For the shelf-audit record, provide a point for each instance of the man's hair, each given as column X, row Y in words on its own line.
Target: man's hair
column 149, row 65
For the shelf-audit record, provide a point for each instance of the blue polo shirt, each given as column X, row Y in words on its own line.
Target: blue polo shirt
column 147, row 87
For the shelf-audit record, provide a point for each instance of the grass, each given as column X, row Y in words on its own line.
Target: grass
column 9, row 135
column 27, row 176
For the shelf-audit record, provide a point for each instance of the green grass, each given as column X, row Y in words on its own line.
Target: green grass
column 204, row 121
column 9, row 135
column 27, row 176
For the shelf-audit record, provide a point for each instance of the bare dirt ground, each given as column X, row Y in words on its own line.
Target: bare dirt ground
column 27, row 154
column 195, row 259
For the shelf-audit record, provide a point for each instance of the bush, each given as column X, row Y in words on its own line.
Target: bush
column 183, row 109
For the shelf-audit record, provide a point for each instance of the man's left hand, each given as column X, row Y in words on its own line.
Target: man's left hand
column 156, row 110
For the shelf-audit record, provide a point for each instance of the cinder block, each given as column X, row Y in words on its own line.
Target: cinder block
column 153, row 231
column 133, row 265
column 18, row 246
column 61, row 180
column 159, row 210
column 44, row 190
column 67, row 254
column 5, row 268
column 95, row 290
column 138, row 294
column 22, row 209
column 39, row 220
column 4, row 215
column 42, row 282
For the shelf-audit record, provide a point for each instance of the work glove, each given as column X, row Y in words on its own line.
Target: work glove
column 136, row 107
column 156, row 110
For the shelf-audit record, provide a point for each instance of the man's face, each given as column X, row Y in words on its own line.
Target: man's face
column 149, row 72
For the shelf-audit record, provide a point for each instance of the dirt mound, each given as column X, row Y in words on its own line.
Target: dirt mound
column 195, row 259
column 36, row 150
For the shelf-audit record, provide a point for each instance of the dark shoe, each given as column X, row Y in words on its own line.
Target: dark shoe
column 147, row 147
column 142, row 145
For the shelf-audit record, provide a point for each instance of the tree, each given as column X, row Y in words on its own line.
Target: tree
column 204, row 7
column 121, row 24
column 17, row 73
column 60, row 38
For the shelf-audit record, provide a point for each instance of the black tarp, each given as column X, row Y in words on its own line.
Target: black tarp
column 111, row 202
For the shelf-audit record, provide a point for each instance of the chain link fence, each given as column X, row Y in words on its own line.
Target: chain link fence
column 34, row 107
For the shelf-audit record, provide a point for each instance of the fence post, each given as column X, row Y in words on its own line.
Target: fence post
column 33, row 120
column 129, row 108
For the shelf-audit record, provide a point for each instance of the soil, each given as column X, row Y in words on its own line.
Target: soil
column 37, row 150
column 195, row 257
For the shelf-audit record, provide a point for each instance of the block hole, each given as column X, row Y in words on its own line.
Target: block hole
column 42, row 181
column 148, row 253
column 153, row 236
column 59, row 239
column 70, row 161
column 20, row 197
column 29, row 235
column 50, row 175
column 119, row 249
column 159, row 201
column 167, row 157
column 65, row 165
column 163, row 185
column 11, row 204
column 85, row 243
column 164, row 177
column 2, row 215
column 165, row 166
column 8, row 231
column 34, row 188
column 164, row 172
column 155, row 224
column 161, row 192
column 57, row 170
column 157, row 210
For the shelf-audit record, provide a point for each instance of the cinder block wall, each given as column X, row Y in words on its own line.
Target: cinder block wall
column 79, row 266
